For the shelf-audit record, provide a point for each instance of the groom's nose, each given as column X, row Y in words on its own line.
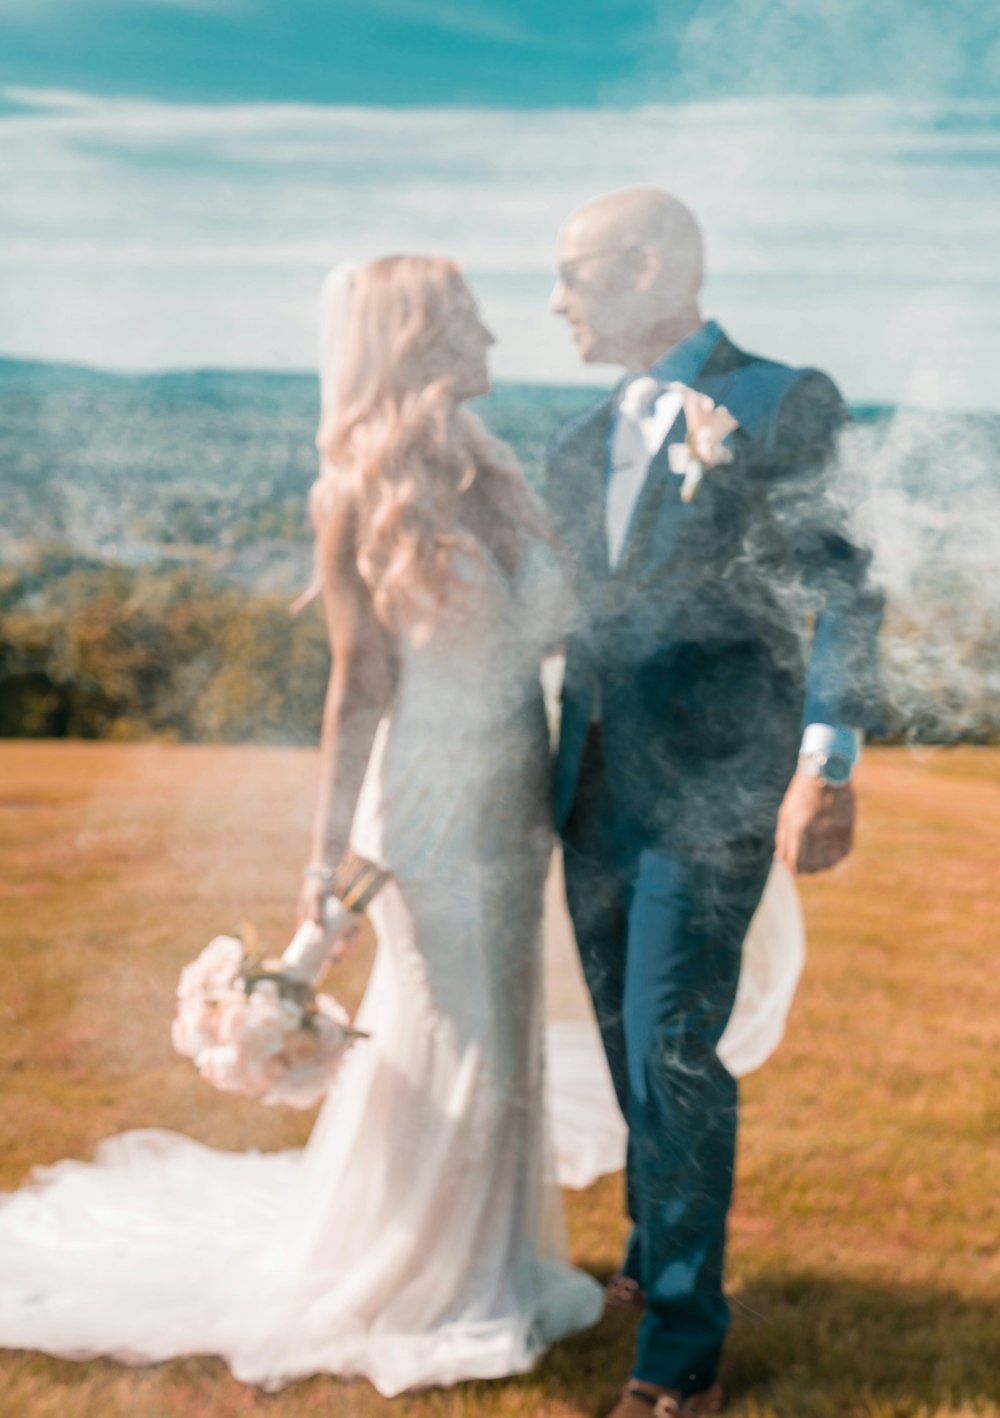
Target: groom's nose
column 557, row 300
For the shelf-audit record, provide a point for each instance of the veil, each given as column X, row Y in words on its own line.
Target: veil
column 334, row 311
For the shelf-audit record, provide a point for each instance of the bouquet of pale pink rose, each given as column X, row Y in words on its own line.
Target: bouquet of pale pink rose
column 258, row 1027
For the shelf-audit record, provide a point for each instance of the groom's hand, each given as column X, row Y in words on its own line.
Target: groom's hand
column 815, row 824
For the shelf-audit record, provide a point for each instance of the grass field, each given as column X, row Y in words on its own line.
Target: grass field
column 865, row 1264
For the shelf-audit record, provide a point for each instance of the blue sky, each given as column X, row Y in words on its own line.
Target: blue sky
column 513, row 53
column 178, row 174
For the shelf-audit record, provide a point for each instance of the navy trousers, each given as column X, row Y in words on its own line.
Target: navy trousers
column 660, row 937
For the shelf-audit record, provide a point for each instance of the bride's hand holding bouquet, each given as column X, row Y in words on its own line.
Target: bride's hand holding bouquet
column 257, row 1026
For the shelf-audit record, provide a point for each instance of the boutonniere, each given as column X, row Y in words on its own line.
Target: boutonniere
column 708, row 426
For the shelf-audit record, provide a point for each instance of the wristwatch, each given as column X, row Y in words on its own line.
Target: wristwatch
column 834, row 768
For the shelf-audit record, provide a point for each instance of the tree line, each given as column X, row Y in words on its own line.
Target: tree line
column 102, row 651
column 114, row 652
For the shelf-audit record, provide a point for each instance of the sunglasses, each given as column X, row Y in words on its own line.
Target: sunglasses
column 567, row 272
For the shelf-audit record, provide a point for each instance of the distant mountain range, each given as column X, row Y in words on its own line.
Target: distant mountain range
column 54, row 375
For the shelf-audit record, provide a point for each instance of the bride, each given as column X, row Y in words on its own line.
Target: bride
column 417, row 1239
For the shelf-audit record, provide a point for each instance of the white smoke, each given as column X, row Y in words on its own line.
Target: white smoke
column 926, row 498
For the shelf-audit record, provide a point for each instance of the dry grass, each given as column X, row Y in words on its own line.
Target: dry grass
column 865, row 1268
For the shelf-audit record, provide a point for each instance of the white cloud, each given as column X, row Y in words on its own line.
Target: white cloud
column 859, row 235
column 902, row 47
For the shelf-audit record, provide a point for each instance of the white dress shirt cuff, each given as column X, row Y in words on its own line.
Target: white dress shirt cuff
column 830, row 739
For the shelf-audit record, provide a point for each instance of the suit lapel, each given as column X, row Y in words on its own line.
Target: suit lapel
column 584, row 460
column 713, row 378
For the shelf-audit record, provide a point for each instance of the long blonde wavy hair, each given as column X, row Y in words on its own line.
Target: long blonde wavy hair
column 422, row 470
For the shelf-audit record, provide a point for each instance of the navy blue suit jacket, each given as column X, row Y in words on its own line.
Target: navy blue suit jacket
column 729, row 621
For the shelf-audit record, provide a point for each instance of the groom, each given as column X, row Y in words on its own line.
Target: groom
column 718, row 680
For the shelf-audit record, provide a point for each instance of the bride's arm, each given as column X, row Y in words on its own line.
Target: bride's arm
column 357, row 695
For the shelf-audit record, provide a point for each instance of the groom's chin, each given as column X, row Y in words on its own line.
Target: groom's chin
column 588, row 347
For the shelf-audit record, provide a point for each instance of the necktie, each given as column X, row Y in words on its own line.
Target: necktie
column 639, row 397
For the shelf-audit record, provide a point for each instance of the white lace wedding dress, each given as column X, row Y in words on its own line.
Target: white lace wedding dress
column 417, row 1239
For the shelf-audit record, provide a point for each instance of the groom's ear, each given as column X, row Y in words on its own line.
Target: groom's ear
column 648, row 267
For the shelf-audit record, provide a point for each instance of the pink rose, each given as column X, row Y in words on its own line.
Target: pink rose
column 215, row 969
column 196, row 1026
column 225, row 1069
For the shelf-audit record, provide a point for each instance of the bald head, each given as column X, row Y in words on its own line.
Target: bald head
column 630, row 274
column 645, row 217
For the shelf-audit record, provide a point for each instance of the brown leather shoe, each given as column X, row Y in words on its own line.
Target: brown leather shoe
column 623, row 1293
column 642, row 1400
